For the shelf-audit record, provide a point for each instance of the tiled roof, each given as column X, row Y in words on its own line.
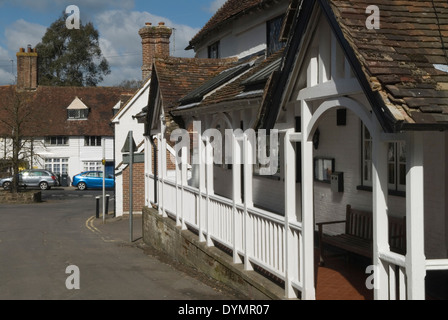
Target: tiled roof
column 240, row 89
column 47, row 108
column 230, row 10
column 176, row 77
column 179, row 76
column 403, row 59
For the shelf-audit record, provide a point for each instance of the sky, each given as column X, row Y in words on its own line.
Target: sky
column 24, row 22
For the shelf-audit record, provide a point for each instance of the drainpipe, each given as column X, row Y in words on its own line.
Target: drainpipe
column 155, row 169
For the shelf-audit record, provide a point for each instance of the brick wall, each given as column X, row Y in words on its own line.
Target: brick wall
column 138, row 188
column 155, row 42
column 27, row 69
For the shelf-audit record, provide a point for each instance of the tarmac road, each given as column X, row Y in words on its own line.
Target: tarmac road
column 38, row 242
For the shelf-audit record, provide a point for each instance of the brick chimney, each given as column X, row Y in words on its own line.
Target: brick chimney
column 27, row 68
column 155, row 43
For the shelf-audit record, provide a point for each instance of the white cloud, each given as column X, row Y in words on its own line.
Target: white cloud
column 22, row 33
column 91, row 7
column 119, row 39
column 216, row 5
column 121, row 43
column 6, row 68
column 6, row 78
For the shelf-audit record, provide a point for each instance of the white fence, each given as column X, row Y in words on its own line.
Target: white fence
column 254, row 236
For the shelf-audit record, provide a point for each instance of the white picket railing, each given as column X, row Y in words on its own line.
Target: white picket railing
column 256, row 235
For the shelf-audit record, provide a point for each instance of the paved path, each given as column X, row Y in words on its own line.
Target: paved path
column 38, row 242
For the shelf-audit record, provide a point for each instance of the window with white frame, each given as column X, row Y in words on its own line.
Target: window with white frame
column 78, row 114
column 57, row 165
column 92, row 141
column 93, row 166
column 56, row 141
column 396, row 163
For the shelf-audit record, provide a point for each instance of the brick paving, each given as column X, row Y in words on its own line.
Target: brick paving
column 340, row 279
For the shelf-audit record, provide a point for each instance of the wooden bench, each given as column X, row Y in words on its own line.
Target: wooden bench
column 358, row 234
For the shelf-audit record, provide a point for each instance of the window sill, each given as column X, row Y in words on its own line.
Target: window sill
column 276, row 178
column 391, row 192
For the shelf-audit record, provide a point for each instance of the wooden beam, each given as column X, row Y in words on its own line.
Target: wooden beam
column 415, row 257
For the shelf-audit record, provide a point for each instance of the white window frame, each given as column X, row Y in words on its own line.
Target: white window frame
column 396, row 163
column 57, row 165
column 64, row 141
column 97, row 141
column 92, row 166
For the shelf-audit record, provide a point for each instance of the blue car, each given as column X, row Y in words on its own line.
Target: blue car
column 92, row 180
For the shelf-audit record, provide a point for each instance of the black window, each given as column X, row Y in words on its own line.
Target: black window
column 274, row 27
column 56, row 141
column 213, row 51
column 78, row 114
column 92, row 141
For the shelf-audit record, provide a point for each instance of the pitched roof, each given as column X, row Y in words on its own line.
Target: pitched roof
column 77, row 104
column 174, row 78
column 230, row 10
column 400, row 65
column 47, row 110
column 179, row 76
column 404, row 59
column 250, row 85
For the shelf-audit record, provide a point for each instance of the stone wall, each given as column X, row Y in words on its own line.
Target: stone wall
column 25, row 197
column 184, row 246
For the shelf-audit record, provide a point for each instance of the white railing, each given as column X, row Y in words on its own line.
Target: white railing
column 255, row 236
column 395, row 265
column 437, row 264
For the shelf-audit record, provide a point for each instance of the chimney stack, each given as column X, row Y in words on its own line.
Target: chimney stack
column 27, row 68
column 155, row 43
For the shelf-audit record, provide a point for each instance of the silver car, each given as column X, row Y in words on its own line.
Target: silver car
column 42, row 179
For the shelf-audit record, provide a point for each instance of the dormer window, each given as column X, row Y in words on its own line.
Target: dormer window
column 213, row 51
column 274, row 28
column 77, row 110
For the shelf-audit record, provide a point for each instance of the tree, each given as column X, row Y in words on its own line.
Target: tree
column 18, row 122
column 130, row 84
column 71, row 57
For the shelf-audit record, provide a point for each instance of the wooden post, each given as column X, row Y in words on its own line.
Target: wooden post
column 201, row 168
column 208, row 186
column 248, row 242
column 163, row 170
column 178, row 178
column 290, row 214
column 159, row 176
column 309, row 292
column 183, row 182
column 236, row 193
column 415, row 257
column 380, row 218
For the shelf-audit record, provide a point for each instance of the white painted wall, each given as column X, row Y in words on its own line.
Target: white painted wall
column 244, row 36
column 123, row 124
column 75, row 151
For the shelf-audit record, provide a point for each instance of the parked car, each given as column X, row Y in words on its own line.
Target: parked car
column 36, row 178
column 92, row 180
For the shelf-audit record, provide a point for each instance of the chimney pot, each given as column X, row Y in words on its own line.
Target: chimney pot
column 155, row 43
column 27, row 68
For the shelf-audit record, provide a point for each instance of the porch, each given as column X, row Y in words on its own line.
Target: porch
column 273, row 245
